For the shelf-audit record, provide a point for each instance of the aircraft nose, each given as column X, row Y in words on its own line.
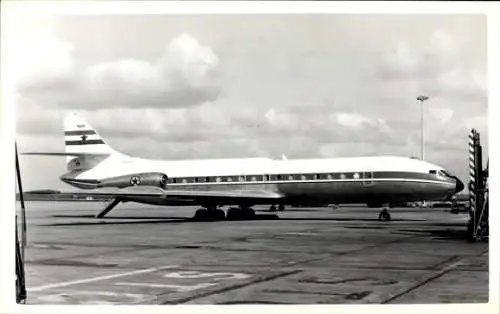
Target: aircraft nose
column 459, row 185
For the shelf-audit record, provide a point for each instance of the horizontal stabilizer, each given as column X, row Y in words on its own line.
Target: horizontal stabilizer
column 67, row 154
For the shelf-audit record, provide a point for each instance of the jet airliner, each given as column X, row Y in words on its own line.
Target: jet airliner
column 99, row 170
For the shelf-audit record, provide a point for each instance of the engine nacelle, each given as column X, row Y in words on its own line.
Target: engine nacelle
column 157, row 179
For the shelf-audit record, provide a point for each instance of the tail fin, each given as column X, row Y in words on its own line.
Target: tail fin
column 84, row 147
column 81, row 138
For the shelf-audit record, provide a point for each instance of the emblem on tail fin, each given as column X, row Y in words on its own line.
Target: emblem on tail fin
column 84, row 138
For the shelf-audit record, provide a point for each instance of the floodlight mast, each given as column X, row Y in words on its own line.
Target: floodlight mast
column 422, row 98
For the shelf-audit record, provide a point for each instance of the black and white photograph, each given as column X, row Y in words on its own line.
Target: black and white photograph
column 246, row 158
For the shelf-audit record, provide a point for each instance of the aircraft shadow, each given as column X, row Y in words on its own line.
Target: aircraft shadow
column 120, row 217
column 345, row 219
column 111, row 220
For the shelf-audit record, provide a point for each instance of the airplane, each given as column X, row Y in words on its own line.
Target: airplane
column 100, row 171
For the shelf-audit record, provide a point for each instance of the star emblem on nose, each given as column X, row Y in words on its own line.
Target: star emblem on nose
column 84, row 138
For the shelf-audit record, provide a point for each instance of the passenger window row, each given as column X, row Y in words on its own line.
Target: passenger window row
column 274, row 177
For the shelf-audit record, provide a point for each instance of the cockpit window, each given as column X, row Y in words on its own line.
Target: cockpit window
column 432, row 171
column 443, row 173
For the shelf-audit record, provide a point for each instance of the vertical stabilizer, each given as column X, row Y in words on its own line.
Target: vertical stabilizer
column 81, row 138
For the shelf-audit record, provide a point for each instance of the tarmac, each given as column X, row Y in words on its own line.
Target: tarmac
column 142, row 254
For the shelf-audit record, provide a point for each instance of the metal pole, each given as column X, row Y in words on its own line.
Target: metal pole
column 422, row 99
column 23, row 209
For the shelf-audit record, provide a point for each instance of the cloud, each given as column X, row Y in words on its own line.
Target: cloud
column 437, row 68
column 351, row 120
column 437, row 56
column 442, row 114
column 40, row 60
column 184, row 75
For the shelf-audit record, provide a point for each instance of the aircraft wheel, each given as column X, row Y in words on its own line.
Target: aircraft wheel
column 248, row 213
column 219, row 214
column 281, row 208
column 233, row 214
column 384, row 215
column 201, row 215
column 272, row 208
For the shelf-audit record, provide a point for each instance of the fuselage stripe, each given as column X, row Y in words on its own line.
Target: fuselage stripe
column 84, row 142
column 80, row 132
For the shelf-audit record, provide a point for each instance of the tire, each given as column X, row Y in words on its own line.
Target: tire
column 219, row 214
column 233, row 214
column 201, row 215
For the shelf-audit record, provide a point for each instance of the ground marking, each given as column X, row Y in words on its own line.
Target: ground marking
column 179, row 288
column 187, row 274
column 69, row 283
column 193, row 274
column 64, row 297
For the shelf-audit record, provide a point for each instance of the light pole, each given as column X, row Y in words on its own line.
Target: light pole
column 422, row 98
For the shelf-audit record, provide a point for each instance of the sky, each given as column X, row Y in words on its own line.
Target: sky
column 209, row 86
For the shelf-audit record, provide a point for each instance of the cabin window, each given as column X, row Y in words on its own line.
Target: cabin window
column 303, row 177
column 174, row 180
column 316, row 177
column 278, row 177
column 242, row 178
column 218, row 179
column 229, row 179
column 254, row 178
column 184, row 181
column 196, row 180
column 329, row 177
column 290, row 177
column 356, row 176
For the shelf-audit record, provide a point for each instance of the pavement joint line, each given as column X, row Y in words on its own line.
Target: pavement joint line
column 445, row 262
column 81, row 255
column 422, row 282
column 233, row 287
column 99, row 278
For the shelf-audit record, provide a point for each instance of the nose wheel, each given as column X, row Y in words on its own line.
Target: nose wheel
column 384, row 215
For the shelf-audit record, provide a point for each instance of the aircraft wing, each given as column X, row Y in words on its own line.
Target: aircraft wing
column 227, row 197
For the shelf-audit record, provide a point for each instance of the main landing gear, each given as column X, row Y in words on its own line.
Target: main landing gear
column 212, row 213
column 384, row 215
column 240, row 213
column 281, row 208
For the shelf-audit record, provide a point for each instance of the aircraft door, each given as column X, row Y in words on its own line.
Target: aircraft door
column 368, row 178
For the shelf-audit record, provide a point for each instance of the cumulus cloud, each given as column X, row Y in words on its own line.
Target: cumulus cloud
column 39, row 60
column 183, row 75
column 351, row 120
column 437, row 68
column 442, row 114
